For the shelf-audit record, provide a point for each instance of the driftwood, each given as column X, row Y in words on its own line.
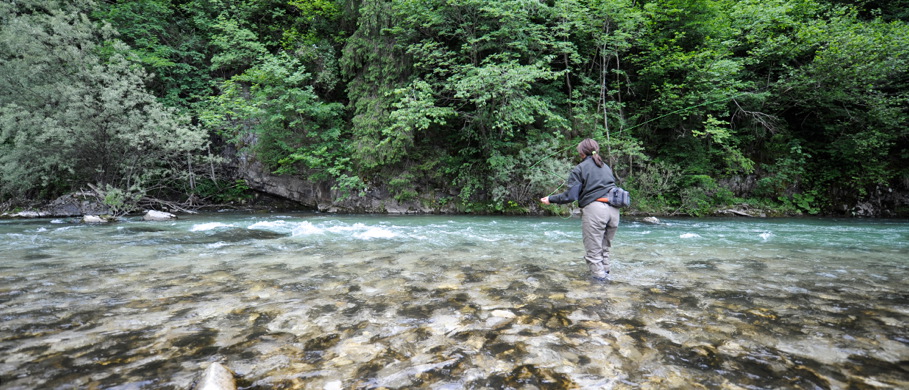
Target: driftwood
column 187, row 207
column 146, row 202
column 736, row 212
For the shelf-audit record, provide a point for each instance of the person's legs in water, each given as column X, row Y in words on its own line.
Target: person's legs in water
column 594, row 222
column 611, row 226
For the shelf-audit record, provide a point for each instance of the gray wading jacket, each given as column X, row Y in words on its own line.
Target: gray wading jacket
column 586, row 183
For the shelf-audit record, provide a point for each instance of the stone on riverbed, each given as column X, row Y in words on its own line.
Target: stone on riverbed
column 652, row 220
column 154, row 215
column 216, row 377
column 503, row 314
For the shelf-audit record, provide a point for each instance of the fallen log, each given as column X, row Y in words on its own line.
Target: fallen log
column 736, row 212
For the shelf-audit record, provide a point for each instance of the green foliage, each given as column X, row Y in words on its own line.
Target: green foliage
column 237, row 191
column 654, row 187
column 849, row 87
column 788, row 172
column 480, row 101
column 402, row 187
column 718, row 134
column 167, row 44
column 238, row 46
column 70, row 117
column 701, row 195
column 122, row 201
column 272, row 112
column 807, row 202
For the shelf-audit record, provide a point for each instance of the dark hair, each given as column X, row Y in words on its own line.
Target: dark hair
column 589, row 147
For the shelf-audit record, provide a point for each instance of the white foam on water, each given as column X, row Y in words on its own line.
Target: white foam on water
column 561, row 236
column 265, row 224
column 362, row 231
column 690, row 235
column 209, row 226
column 346, row 228
column 375, row 232
column 279, row 226
column 766, row 235
column 68, row 228
column 57, row 221
column 306, row 228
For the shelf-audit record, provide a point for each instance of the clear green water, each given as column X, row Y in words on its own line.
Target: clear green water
column 316, row 301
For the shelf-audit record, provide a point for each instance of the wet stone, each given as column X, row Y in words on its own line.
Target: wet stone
column 529, row 376
column 37, row 256
column 506, row 350
column 418, row 312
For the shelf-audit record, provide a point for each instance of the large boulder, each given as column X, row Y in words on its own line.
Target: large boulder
column 76, row 204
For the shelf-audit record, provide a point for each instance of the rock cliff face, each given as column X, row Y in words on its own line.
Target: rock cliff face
column 320, row 195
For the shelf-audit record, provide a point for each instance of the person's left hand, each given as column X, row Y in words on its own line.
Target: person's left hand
column 544, row 200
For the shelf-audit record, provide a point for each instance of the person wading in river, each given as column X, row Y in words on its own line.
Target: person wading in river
column 589, row 183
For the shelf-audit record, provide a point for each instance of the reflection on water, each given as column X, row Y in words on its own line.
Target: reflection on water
column 316, row 301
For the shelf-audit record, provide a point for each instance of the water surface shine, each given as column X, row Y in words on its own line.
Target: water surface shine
column 320, row 301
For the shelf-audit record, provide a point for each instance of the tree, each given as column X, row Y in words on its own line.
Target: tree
column 272, row 112
column 172, row 46
column 74, row 110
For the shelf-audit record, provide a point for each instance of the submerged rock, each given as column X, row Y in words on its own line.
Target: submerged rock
column 652, row 220
column 154, row 215
column 216, row 377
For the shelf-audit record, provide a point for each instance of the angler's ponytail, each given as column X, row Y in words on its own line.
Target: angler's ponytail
column 589, row 147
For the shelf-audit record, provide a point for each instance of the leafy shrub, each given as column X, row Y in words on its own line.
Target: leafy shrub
column 653, row 188
column 224, row 192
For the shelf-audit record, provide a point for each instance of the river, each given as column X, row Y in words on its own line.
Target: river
column 321, row 301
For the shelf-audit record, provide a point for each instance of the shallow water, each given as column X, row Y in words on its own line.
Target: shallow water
column 321, row 301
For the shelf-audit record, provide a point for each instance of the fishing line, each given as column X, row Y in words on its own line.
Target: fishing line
column 680, row 110
column 562, row 150
column 646, row 122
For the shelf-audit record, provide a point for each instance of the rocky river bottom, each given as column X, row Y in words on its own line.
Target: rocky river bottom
column 316, row 301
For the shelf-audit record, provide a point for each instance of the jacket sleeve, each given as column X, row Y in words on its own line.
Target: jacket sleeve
column 574, row 189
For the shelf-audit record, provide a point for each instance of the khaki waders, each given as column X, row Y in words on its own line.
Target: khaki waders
column 599, row 222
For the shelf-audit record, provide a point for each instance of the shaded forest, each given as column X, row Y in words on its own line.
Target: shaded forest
column 789, row 106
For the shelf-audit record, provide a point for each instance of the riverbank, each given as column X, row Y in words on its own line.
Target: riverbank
column 266, row 192
column 260, row 202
